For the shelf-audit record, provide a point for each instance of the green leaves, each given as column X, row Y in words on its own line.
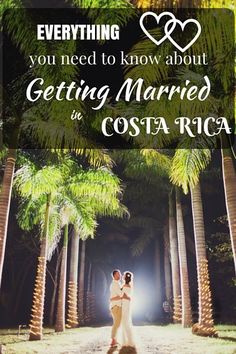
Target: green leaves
column 78, row 196
column 187, row 165
column 31, row 182
column 149, row 164
column 101, row 4
column 8, row 4
column 99, row 190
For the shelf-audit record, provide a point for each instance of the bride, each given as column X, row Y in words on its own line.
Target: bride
column 126, row 319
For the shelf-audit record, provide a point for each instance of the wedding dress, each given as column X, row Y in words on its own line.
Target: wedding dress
column 126, row 319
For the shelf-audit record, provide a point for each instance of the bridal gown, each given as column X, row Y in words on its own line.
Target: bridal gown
column 126, row 319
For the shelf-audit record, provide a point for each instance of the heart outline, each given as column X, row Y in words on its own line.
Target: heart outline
column 182, row 25
column 158, row 18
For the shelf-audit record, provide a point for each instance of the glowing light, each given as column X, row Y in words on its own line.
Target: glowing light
column 142, row 299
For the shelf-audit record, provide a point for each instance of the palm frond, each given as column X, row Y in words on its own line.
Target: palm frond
column 32, row 183
column 187, row 165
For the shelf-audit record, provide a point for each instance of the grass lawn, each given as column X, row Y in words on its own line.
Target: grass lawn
column 171, row 339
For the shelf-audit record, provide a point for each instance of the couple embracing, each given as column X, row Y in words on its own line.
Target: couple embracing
column 120, row 306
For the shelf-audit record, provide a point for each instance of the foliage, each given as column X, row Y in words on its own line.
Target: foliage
column 46, row 124
column 219, row 247
column 191, row 158
column 187, row 166
column 78, row 196
column 192, row 3
column 147, row 164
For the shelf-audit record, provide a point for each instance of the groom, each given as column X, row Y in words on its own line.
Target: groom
column 115, row 305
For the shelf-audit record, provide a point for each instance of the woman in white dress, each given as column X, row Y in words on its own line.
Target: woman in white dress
column 126, row 319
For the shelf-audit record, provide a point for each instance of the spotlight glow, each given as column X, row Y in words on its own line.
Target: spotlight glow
column 142, row 301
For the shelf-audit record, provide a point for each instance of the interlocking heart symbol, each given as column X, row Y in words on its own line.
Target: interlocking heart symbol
column 169, row 28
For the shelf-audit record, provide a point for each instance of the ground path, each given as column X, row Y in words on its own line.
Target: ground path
column 150, row 339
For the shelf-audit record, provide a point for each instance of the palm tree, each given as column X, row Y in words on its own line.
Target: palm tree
column 205, row 324
column 20, row 28
column 48, row 187
column 99, row 191
column 38, row 186
column 203, row 154
column 229, row 178
column 84, row 195
column 157, row 270
column 69, row 213
column 168, row 290
column 186, row 302
column 219, row 43
column 6, row 190
column 174, row 260
column 5, row 199
column 88, row 295
column 187, row 165
column 216, row 39
column 72, row 297
column 60, row 313
column 39, row 290
column 5, row 195
column 81, row 282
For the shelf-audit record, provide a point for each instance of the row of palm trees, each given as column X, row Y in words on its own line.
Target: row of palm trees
column 190, row 159
column 55, row 197
column 98, row 156
column 63, row 194
column 20, row 28
column 205, row 325
column 181, row 169
column 180, row 274
column 51, row 197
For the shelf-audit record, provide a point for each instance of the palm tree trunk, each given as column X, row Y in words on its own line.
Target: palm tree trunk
column 55, row 285
column 168, row 290
column 174, row 261
column 88, row 295
column 229, row 177
column 36, row 324
column 5, row 200
column 89, row 287
column 186, row 302
column 60, row 314
column 205, row 325
column 72, row 299
column 81, row 282
column 93, row 298
column 158, row 276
